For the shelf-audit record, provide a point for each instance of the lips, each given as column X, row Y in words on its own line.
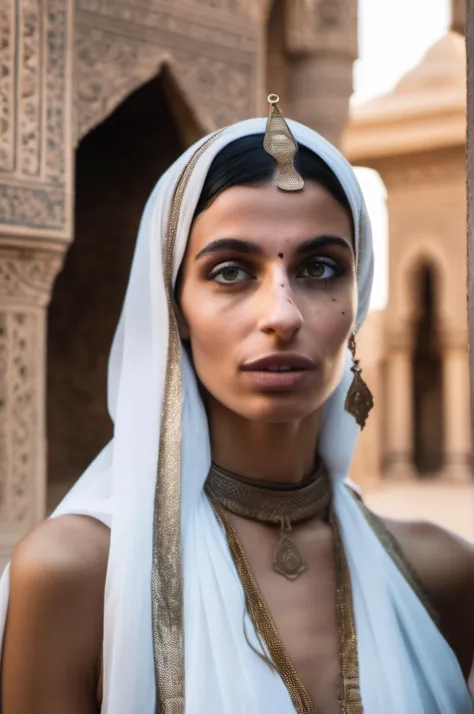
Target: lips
column 279, row 372
column 280, row 362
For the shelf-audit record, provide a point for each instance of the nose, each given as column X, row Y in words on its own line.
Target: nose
column 280, row 315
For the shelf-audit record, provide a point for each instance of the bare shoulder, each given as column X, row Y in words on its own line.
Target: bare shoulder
column 70, row 546
column 444, row 563
column 53, row 634
column 443, row 560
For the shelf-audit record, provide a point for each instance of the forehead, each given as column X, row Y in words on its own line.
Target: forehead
column 266, row 213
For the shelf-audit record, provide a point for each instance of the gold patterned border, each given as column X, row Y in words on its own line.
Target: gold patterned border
column 349, row 682
column 167, row 572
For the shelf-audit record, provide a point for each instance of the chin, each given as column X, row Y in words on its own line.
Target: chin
column 278, row 410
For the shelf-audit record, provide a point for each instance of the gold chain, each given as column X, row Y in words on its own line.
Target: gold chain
column 348, row 688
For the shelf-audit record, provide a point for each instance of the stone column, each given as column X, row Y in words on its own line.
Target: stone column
column 457, row 446
column 35, row 228
column 322, row 47
column 399, row 415
column 26, row 277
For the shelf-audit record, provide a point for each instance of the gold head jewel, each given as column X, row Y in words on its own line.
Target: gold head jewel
column 280, row 143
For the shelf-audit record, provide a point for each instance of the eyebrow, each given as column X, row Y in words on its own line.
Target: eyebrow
column 249, row 248
column 315, row 243
column 234, row 244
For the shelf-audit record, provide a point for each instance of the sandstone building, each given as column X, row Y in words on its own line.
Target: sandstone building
column 416, row 350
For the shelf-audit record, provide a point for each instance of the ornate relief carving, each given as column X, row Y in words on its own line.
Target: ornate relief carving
column 55, row 144
column 110, row 67
column 28, row 274
column 171, row 25
column 226, row 90
column 33, row 118
column 29, row 107
column 19, row 415
column 41, row 208
column 7, row 82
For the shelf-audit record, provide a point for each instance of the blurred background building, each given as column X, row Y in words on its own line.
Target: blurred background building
column 97, row 98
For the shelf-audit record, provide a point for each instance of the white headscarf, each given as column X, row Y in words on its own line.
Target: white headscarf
column 406, row 667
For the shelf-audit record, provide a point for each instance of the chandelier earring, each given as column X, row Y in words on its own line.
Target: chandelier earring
column 359, row 399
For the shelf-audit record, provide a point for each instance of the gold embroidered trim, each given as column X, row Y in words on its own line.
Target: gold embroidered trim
column 395, row 552
column 349, row 688
column 167, row 574
column 349, row 681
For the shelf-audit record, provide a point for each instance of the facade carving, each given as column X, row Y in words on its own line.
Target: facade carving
column 41, row 208
column 27, row 275
column 26, row 278
column 215, row 63
column 33, row 120
column 7, row 66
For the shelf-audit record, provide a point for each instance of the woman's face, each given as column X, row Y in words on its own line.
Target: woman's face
column 268, row 299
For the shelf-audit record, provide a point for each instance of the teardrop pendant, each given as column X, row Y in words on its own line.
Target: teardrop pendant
column 287, row 558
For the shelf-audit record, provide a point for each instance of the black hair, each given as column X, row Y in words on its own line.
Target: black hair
column 244, row 162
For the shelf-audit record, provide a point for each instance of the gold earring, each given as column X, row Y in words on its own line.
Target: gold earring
column 359, row 399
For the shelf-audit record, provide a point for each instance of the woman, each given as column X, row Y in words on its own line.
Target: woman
column 272, row 588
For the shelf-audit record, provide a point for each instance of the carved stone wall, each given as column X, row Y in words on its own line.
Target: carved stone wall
column 35, row 225
column 26, row 277
column 213, row 54
column 35, row 179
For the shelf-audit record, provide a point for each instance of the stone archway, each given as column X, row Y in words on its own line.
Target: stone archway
column 117, row 165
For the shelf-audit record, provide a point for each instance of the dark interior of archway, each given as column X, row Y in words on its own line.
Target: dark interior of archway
column 427, row 380
column 117, row 165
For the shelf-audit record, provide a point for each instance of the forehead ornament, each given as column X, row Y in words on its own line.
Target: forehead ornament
column 280, row 143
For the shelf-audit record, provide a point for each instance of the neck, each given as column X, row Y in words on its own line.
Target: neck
column 278, row 453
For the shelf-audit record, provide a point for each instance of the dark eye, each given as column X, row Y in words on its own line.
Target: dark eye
column 320, row 269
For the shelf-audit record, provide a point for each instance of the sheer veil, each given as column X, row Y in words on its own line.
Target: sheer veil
column 406, row 667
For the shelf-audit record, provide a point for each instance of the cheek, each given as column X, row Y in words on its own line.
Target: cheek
column 333, row 318
column 212, row 331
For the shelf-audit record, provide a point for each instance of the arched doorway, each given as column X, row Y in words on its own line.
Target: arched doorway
column 428, row 437
column 117, row 165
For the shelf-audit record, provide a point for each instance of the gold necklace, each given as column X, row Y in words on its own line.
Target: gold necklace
column 348, row 690
column 282, row 505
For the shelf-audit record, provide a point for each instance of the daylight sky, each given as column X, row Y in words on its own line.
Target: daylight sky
column 394, row 35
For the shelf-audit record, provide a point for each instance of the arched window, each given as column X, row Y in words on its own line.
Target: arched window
column 427, row 376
